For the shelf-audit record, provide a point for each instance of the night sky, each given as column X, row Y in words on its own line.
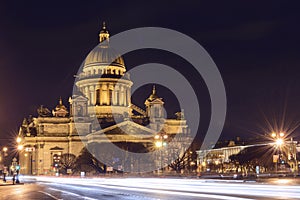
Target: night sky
column 255, row 45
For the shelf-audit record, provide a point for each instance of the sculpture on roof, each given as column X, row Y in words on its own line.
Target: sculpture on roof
column 44, row 112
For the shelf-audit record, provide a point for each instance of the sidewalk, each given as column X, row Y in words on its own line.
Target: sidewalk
column 8, row 182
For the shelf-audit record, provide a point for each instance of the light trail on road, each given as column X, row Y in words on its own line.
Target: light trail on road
column 186, row 187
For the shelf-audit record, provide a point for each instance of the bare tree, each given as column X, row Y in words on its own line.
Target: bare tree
column 67, row 161
column 181, row 161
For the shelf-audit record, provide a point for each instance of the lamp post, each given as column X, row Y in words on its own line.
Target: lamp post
column 4, row 151
column 279, row 141
column 160, row 143
column 19, row 148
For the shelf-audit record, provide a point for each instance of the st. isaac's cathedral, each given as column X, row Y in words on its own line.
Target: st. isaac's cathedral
column 104, row 93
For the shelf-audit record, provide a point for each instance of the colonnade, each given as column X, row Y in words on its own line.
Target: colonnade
column 108, row 94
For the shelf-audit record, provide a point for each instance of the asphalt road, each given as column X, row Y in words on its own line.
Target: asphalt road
column 147, row 189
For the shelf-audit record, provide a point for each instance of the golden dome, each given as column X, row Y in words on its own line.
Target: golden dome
column 103, row 54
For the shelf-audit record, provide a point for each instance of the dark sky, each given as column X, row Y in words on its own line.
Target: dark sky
column 255, row 45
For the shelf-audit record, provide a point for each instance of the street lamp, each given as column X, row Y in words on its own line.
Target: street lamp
column 19, row 148
column 160, row 143
column 279, row 141
column 18, row 140
column 4, row 151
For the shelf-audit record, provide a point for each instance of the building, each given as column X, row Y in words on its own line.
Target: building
column 103, row 92
column 283, row 156
column 216, row 156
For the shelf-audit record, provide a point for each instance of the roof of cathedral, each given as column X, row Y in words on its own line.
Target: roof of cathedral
column 103, row 54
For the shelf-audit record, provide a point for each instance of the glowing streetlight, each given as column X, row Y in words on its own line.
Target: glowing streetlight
column 19, row 139
column 160, row 143
column 4, row 149
column 20, row 147
column 281, row 134
column 279, row 141
column 278, row 138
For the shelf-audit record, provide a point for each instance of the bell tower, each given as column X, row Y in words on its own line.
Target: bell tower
column 155, row 110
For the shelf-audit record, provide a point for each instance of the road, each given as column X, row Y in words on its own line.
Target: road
column 147, row 189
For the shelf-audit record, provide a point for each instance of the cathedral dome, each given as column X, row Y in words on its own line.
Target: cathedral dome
column 103, row 54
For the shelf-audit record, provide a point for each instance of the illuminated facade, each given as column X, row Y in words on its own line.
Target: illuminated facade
column 104, row 88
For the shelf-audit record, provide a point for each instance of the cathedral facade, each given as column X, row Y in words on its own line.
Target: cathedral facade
column 103, row 91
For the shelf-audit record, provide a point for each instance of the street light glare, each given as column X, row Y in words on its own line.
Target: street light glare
column 281, row 134
column 158, row 144
column 18, row 139
column 20, row 147
column 273, row 135
column 279, row 142
column 5, row 149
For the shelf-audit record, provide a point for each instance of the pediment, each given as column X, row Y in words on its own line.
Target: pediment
column 126, row 127
column 79, row 98
column 56, row 148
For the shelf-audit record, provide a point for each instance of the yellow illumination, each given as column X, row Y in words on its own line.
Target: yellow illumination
column 20, row 147
column 25, row 154
column 156, row 137
column 5, row 149
column 281, row 134
column 165, row 136
column 279, row 142
column 158, row 144
column 18, row 139
column 273, row 135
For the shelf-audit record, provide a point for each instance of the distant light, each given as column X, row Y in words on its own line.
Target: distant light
column 165, row 136
column 156, row 137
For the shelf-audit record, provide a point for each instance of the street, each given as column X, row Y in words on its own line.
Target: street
column 147, row 189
